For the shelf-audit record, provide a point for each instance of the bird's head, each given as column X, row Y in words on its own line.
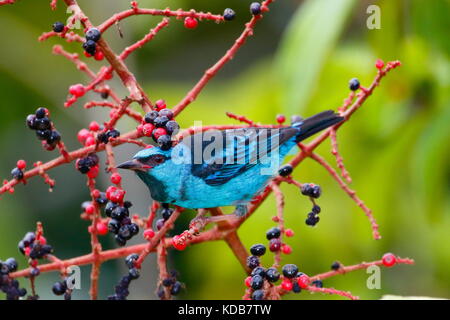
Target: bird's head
column 146, row 160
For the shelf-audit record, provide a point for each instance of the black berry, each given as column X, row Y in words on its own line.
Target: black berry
column 257, row 282
column 58, row 27
column 93, row 34
column 31, row 118
column 259, row 271
column 166, row 213
column 252, row 262
column 353, row 84
column 273, row 233
column 258, row 295
column 290, row 270
column 317, row 283
column 172, row 127
column 255, row 8
column 41, row 113
column 134, row 273
column 160, row 121
column 258, row 250
column 335, row 266
column 59, row 288
column 285, row 170
column 176, row 288
column 312, row 219
column 272, row 275
column 129, row 260
column 316, row 209
column 90, row 47
column 17, row 174
column 229, row 14
column 164, row 142
column 113, row 226
column 166, row 113
column 151, row 116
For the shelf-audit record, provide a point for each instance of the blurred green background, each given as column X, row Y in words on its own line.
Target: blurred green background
column 299, row 62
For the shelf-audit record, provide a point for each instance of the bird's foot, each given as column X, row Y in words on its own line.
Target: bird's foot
column 241, row 210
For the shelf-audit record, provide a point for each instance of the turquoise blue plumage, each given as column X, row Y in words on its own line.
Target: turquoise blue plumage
column 221, row 168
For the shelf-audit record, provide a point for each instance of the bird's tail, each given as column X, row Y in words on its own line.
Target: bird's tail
column 316, row 123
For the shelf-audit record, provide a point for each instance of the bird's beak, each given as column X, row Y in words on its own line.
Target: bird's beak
column 132, row 165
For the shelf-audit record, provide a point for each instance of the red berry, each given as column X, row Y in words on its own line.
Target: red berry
column 87, row 55
column 160, row 104
column 82, row 135
column 389, row 260
column 108, row 76
column 158, row 132
column 289, row 233
column 248, row 281
column 90, row 141
column 42, row 240
column 99, row 55
column 190, row 23
column 110, row 191
column 102, row 228
column 147, row 129
column 90, row 209
column 93, row 172
column 286, row 249
column 27, row 251
column 94, row 126
column 179, row 245
column 77, row 90
column 379, row 64
column 116, row 178
column 21, row 164
column 148, row 234
column 96, row 193
column 281, row 118
column 287, row 285
column 34, row 263
column 303, row 281
column 117, row 195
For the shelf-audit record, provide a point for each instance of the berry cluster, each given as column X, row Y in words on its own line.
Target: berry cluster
column 34, row 247
column 60, row 288
column 90, row 45
column 88, row 165
column 40, row 122
column 117, row 209
column 103, row 137
column 8, row 285
column 172, row 284
column 121, row 290
column 159, row 125
column 313, row 217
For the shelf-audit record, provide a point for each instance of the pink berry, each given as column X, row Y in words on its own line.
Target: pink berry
column 287, row 285
column 116, row 178
column 190, row 23
column 179, row 245
column 160, row 104
column 158, row 132
column 42, row 240
column 281, row 118
column 148, row 234
column 289, row 233
column 99, row 55
column 90, row 141
column 77, row 90
column 93, row 172
column 379, row 64
column 147, row 129
column 94, row 126
column 90, row 209
column 389, row 260
column 21, row 164
column 82, row 135
column 102, row 228
column 248, row 281
column 286, row 249
column 303, row 281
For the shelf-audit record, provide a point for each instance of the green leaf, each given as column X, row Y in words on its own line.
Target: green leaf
column 311, row 36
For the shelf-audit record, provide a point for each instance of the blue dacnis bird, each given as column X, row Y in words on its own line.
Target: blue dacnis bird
column 222, row 167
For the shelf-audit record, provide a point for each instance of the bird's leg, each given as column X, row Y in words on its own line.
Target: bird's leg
column 241, row 210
